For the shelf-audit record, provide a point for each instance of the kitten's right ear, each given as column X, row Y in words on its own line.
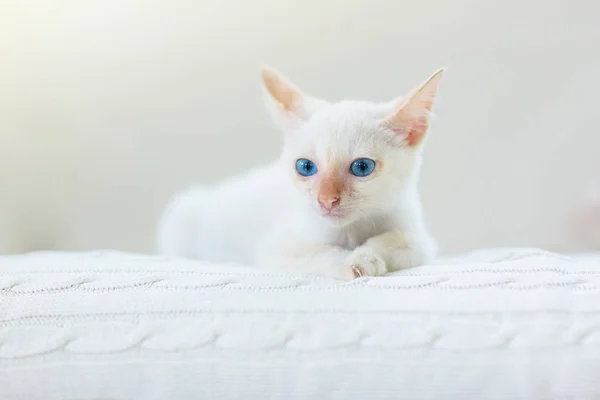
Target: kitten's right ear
column 290, row 106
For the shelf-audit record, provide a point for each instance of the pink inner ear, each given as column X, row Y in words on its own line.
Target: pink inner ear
column 417, row 131
column 412, row 130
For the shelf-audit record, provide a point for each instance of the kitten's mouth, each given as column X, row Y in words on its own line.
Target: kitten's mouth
column 336, row 214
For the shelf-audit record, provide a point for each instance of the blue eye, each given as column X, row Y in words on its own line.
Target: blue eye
column 362, row 167
column 306, row 167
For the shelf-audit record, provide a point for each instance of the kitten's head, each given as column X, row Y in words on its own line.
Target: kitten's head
column 350, row 159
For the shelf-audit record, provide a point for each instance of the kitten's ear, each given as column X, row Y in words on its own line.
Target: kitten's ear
column 290, row 106
column 410, row 116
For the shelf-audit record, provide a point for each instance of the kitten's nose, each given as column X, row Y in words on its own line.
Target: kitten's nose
column 329, row 202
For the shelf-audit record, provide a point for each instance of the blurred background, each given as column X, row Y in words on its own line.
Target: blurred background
column 108, row 107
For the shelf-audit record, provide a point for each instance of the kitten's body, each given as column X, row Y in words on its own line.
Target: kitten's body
column 275, row 218
column 225, row 222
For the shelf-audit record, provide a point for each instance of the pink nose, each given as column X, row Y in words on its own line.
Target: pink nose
column 329, row 202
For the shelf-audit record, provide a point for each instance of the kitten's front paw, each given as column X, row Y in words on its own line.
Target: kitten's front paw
column 363, row 262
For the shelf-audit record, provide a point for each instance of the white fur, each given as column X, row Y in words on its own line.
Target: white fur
column 270, row 217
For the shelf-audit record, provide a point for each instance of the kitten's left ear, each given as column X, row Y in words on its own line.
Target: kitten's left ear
column 410, row 118
column 290, row 105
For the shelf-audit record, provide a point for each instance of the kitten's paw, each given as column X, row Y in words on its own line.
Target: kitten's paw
column 418, row 251
column 363, row 262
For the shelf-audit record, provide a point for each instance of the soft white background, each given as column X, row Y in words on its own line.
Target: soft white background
column 107, row 107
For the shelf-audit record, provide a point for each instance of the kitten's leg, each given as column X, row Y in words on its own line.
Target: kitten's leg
column 330, row 261
column 402, row 250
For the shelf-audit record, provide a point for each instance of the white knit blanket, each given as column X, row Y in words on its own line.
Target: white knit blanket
column 505, row 323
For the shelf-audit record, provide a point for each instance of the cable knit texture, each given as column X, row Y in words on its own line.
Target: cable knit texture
column 505, row 323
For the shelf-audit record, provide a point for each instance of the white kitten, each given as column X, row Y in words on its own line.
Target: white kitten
column 342, row 201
